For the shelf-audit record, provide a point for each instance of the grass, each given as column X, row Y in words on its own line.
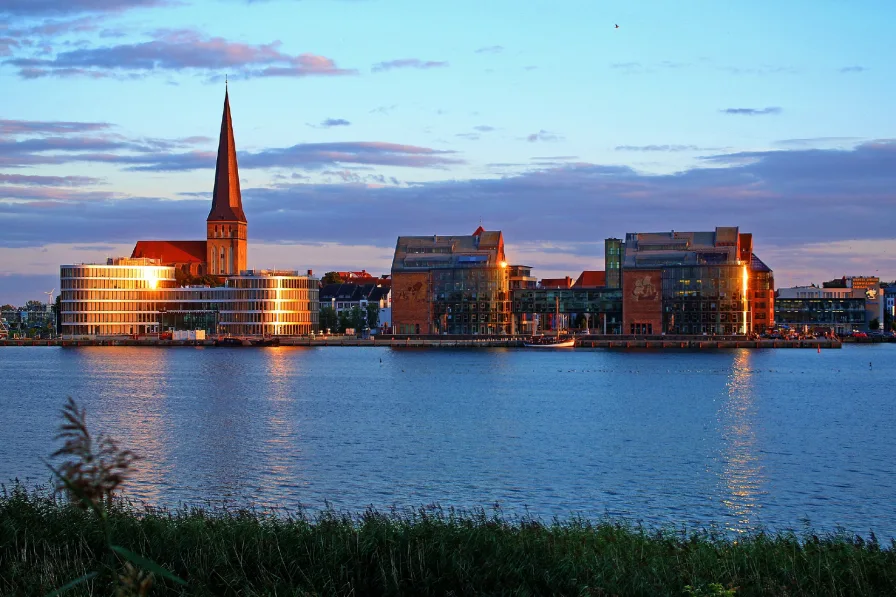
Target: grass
column 46, row 541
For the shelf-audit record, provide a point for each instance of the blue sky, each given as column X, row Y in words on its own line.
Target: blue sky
column 359, row 120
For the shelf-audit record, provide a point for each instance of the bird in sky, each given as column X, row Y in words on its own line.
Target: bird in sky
column 617, row 26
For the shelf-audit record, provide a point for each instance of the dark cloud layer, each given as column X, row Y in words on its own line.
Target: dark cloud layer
column 785, row 198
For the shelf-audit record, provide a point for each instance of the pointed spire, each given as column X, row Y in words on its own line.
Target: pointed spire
column 227, row 202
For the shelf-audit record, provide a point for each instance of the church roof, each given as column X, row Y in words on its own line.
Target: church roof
column 171, row 251
column 227, row 202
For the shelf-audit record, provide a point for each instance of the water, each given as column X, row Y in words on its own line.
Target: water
column 782, row 439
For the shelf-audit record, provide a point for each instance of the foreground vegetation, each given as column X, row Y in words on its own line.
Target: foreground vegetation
column 82, row 540
column 46, row 542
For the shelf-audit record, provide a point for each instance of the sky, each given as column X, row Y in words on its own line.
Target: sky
column 360, row 120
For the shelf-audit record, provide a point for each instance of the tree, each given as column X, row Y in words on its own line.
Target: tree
column 373, row 315
column 344, row 321
column 7, row 307
column 35, row 306
column 331, row 278
column 874, row 324
column 328, row 319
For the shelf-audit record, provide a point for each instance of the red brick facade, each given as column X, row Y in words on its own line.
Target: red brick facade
column 642, row 302
column 411, row 303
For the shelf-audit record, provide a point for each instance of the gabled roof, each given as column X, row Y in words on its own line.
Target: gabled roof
column 591, row 279
column 757, row 265
column 171, row 251
column 556, row 282
column 227, row 202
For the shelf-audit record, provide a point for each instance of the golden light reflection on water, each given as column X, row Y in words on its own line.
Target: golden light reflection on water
column 281, row 435
column 132, row 410
column 742, row 470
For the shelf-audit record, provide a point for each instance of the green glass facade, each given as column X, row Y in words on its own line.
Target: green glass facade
column 471, row 300
column 706, row 299
column 600, row 305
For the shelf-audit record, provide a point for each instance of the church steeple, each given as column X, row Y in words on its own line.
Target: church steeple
column 226, row 224
column 227, row 202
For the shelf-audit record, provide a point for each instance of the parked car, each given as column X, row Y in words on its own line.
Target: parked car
column 859, row 335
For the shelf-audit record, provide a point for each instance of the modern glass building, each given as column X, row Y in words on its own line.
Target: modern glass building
column 120, row 297
column 535, row 310
column 695, row 283
column 139, row 296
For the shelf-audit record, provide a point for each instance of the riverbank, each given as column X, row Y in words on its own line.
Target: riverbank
column 45, row 543
column 395, row 341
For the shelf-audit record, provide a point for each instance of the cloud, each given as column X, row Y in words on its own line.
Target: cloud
column 36, row 127
column 468, row 136
column 384, row 109
column 835, row 194
column 484, row 128
column 30, row 8
column 179, row 50
column 55, row 181
column 853, row 69
column 167, row 155
column 490, row 50
column 752, row 111
column 669, row 148
column 331, row 122
column 406, row 63
column 543, row 135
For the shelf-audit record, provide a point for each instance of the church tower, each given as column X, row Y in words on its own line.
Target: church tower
column 226, row 223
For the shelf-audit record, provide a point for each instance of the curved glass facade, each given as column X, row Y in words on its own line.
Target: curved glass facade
column 138, row 296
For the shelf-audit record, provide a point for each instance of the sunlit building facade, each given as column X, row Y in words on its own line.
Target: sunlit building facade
column 139, row 296
column 695, row 283
column 451, row 284
column 270, row 303
column 120, row 297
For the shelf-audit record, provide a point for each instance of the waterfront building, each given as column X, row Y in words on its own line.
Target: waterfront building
column 889, row 305
column 119, row 297
column 613, row 248
column 224, row 252
column 836, row 309
column 128, row 296
column 451, row 284
column 535, row 309
column 520, row 276
column 345, row 297
column 270, row 303
column 694, row 283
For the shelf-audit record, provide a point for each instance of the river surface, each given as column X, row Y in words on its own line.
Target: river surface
column 736, row 440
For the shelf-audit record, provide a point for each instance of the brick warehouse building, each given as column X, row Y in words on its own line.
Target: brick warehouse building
column 695, row 283
column 451, row 284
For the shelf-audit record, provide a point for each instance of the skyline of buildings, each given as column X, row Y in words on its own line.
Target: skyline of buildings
column 451, row 118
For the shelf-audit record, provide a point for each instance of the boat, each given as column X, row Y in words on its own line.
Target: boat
column 550, row 342
column 558, row 341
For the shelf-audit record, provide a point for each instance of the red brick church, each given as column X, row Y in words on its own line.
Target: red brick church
column 223, row 252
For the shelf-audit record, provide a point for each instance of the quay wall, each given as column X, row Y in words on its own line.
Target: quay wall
column 433, row 341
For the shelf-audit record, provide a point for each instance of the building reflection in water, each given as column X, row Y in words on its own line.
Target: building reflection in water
column 742, row 478
column 130, row 406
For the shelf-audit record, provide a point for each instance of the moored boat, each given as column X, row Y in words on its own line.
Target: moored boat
column 549, row 342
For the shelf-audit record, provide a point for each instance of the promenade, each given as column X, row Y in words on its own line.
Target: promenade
column 432, row 341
